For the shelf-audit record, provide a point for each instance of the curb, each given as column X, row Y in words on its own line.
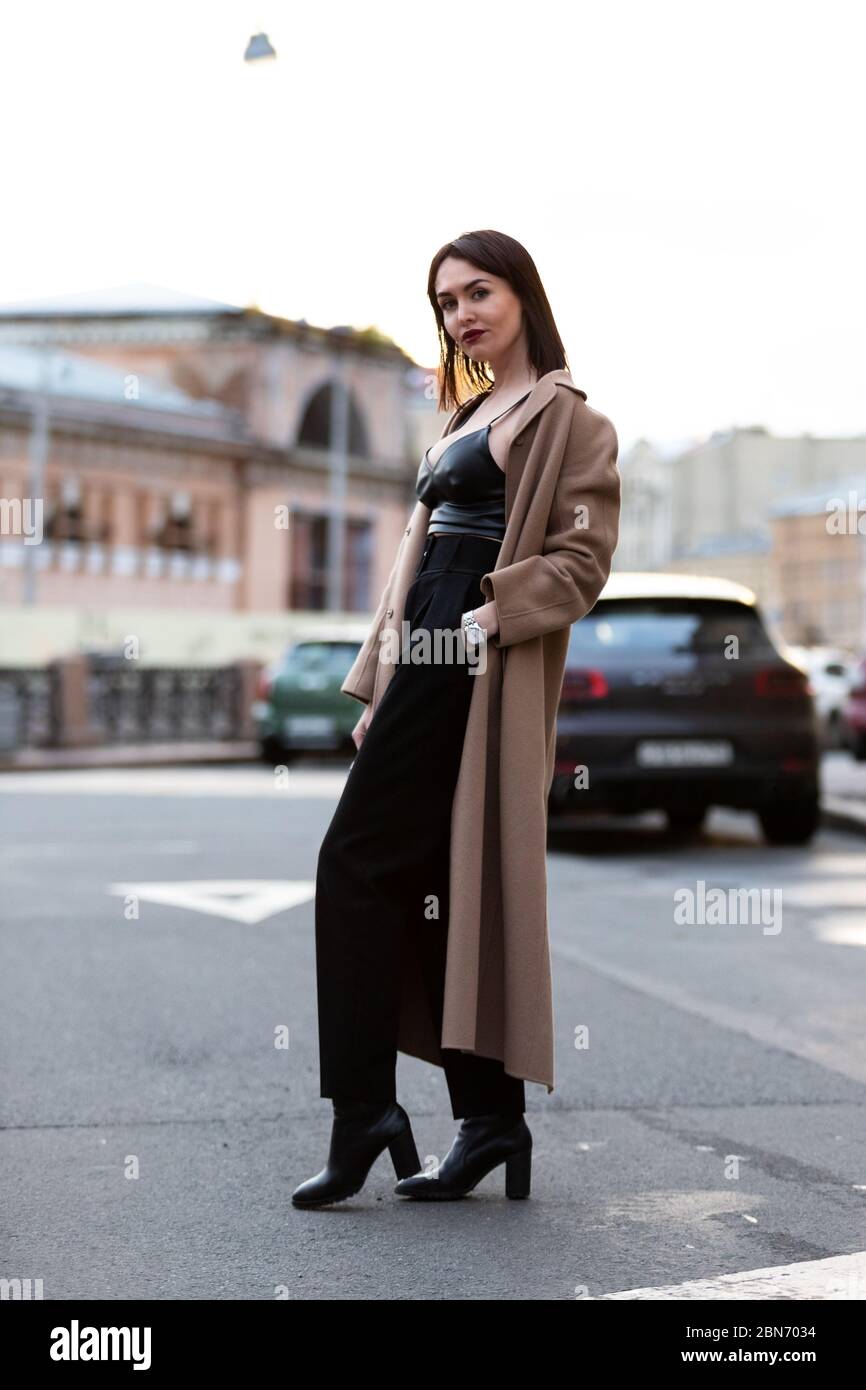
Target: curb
column 843, row 815
column 133, row 755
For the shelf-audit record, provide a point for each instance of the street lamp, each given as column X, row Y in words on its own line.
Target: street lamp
column 338, row 467
column 259, row 47
column 40, row 432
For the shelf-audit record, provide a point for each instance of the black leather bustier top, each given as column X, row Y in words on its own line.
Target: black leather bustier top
column 465, row 487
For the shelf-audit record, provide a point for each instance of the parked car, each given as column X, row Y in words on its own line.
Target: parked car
column 854, row 714
column 830, row 673
column 299, row 706
column 660, row 716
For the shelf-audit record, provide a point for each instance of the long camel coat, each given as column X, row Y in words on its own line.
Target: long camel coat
column 562, row 525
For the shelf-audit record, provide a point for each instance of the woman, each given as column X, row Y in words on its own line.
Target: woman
column 431, row 925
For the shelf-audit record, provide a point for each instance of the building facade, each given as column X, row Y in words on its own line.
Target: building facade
column 731, row 505
column 199, row 457
column 818, row 575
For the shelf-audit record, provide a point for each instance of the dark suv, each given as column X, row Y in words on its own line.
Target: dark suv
column 675, row 698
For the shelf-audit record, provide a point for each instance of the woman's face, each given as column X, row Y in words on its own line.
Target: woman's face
column 481, row 311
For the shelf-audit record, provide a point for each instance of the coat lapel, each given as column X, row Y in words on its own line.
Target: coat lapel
column 541, row 395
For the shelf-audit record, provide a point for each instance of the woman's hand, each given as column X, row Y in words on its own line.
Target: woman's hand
column 488, row 617
column 361, row 727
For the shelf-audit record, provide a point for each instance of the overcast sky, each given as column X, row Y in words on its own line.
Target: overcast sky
column 687, row 176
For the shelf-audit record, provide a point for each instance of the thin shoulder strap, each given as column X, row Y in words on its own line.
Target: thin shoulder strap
column 507, row 408
column 473, row 403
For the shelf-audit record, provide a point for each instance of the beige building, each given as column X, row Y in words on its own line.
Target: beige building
column 818, row 573
column 192, row 455
column 709, row 507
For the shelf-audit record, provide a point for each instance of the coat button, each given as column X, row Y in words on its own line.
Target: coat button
column 390, row 613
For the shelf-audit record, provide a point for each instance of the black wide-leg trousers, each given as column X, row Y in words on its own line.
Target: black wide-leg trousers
column 383, row 866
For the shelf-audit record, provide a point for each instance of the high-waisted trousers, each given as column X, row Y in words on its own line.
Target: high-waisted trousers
column 383, row 866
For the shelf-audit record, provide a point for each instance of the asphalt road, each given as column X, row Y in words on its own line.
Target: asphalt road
column 710, row 1121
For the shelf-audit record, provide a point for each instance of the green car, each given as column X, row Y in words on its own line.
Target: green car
column 300, row 707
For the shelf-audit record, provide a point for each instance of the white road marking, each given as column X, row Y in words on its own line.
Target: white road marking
column 840, row 931
column 241, row 900
column 75, row 849
column 815, row 897
column 173, row 781
column 839, row 1277
column 842, row 892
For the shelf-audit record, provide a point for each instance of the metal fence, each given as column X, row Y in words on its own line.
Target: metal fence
column 165, row 703
column 124, row 704
column 29, row 707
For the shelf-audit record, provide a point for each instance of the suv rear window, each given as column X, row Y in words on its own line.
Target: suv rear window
column 666, row 626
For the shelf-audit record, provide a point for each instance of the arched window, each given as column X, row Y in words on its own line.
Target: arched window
column 315, row 430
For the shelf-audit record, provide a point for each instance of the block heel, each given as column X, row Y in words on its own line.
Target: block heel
column 518, row 1174
column 404, row 1154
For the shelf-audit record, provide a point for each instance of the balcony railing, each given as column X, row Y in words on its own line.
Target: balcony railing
column 90, row 557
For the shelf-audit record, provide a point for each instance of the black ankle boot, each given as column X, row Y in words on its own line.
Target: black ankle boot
column 361, row 1131
column 481, row 1144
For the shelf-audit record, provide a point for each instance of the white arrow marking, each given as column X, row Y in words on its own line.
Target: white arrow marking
column 242, row 899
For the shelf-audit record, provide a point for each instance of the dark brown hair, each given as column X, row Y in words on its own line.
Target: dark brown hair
column 500, row 255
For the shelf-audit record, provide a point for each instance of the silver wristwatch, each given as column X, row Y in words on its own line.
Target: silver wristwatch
column 472, row 629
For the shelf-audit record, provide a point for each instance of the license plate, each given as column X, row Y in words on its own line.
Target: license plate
column 310, row 726
column 687, row 752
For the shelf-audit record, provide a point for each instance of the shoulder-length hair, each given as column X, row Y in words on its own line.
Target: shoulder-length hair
column 500, row 255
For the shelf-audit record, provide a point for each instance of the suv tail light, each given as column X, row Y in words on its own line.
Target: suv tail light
column 584, row 684
column 777, row 681
column 264, row 683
